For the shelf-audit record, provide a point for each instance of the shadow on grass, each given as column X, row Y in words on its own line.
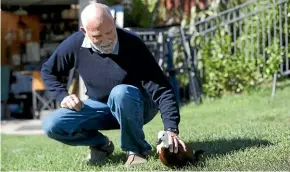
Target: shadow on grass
column 221, row 147
column 114, row 159
column 121, row 157
column 213, row 148
column 118, row 158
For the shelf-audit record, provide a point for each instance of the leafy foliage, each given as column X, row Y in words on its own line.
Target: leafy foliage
column 228, row 72
column 227, row 62
column 236, row 63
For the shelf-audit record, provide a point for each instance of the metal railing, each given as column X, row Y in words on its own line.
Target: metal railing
column 269, row 22
column 160, row 42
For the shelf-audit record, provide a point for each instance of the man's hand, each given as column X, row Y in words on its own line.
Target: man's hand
column 174, row 141
column 72, row 102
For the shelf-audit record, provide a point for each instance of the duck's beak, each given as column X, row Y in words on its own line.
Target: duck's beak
column 158, row 142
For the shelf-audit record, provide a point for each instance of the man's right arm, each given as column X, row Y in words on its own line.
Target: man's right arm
column 57, row 66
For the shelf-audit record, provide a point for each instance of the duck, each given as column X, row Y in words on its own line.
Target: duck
column 179, row 159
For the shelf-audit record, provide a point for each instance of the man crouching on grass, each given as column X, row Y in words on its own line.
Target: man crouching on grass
column 125, row 86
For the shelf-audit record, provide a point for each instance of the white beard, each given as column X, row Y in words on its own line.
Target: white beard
column 108, row 48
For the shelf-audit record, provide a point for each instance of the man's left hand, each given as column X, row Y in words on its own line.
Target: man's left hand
column 174, row 141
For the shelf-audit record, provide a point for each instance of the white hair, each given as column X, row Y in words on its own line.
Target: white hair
column 90, row 11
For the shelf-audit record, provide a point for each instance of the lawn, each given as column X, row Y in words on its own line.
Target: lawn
column 244, row 132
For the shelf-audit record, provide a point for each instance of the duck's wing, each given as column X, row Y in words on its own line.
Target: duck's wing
column 191, row 155
column 198, row 153
column 196, row 156
column 175, row 159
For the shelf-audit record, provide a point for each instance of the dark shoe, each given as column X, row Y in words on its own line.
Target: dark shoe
column 146, row 154
column 98, row 154
column 135, row 159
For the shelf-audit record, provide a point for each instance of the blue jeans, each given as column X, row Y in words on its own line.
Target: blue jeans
column 127, row 109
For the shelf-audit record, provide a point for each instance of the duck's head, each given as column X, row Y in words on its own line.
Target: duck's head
column 162, row 138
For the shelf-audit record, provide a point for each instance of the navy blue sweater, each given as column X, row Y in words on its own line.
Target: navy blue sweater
column 134, row 65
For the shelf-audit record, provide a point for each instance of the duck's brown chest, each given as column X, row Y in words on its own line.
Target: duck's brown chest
column 174, row 159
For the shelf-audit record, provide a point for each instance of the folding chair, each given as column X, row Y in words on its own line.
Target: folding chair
column 41, row 100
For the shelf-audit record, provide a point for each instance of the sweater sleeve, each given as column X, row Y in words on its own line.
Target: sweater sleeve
column 156, row 83
column 57, row 66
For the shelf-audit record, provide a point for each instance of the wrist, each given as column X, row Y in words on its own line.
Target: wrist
column 173, row 130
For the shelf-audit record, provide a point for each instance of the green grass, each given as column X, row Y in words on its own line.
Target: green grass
column 245, row 132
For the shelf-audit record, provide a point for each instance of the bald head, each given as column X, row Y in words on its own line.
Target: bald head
column 96, row 11
column 99, row 26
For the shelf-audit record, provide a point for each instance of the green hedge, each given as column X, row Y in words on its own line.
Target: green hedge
column 228, row 72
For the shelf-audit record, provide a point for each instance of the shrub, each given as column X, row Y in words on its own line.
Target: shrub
column 224, row 71
column 255, row 59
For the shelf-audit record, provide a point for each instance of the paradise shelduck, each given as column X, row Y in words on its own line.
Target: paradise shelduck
column 179, row 159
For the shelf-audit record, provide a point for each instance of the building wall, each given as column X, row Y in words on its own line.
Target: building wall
column 10, row 27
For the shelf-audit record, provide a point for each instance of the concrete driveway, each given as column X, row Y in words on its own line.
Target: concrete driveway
column 22, row 127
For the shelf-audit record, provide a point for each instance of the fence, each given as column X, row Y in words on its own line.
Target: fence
column 253, row 28
column 160, row 43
